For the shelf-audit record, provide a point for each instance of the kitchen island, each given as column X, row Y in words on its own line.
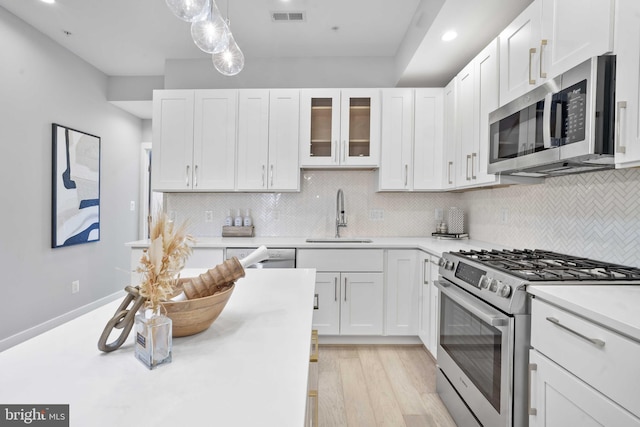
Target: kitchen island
column 249, row 368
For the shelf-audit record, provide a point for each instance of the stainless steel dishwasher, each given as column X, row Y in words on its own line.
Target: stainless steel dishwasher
column 278, row 257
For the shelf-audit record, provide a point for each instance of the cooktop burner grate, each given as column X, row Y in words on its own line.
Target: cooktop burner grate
column 540, row 265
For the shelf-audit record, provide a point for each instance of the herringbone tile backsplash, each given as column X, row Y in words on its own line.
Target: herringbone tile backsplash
column 596, row 215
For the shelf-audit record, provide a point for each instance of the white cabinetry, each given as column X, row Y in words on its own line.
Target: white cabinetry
column 340, row 128
column 428, row 139
column 449, row 136
column 428, row 274
column 267, row 140
column 580, row 373
column 396, row 160
column 194, row 134
column 402, row 293
column 550, row 37
column 627, row 49
column 349, row 290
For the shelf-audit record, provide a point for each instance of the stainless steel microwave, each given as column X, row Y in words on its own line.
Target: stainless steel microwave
column 564, row 126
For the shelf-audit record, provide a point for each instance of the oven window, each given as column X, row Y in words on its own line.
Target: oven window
column 475, row 346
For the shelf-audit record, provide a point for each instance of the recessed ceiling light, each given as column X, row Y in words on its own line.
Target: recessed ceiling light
column 49, row 1
column 449, row 35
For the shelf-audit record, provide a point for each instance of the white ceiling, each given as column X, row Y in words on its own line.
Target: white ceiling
column 135, row 37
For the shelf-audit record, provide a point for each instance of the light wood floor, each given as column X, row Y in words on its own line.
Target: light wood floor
column 369, row 386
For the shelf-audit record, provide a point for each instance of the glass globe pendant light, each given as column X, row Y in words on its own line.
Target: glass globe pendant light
column 211, row 34
column 189, row 10
column 230, row 61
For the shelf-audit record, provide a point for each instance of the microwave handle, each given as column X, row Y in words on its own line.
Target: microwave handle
column 546, row 121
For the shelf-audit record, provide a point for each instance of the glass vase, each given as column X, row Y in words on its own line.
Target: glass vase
column 153, row 338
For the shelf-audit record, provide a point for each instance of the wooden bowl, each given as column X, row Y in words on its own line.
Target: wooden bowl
column 193, row 316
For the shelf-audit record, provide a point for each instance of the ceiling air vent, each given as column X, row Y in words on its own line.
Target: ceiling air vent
column 287, row 16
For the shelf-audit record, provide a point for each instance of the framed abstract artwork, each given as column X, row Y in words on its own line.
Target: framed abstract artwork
column 76, row 187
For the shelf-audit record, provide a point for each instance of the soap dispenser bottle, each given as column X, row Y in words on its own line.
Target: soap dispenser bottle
column 228, row 221
column 238, row 221
column 247, row 221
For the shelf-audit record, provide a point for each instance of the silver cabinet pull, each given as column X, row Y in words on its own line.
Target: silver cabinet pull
column 449, row 173
column 344, row 151
column 473, row 163
column 345, row 289
column 187, row 175
column 532, row 411
column 468, row 161
column 263, row 176
column 315, row 302
column 335, row 289
column 618, row 137
column 425, row 274
column 271, row 174
column 595, row 341
column 195, row 176
column 406, row 174
column 543, row 43
column 531, row 52
column 335, row 148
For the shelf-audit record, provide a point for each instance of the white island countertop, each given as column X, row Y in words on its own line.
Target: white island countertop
column 612, row 306
column 249, row 368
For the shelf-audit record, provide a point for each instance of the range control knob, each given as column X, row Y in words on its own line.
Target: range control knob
column 449, row 265
column 493, row 286
column 504, row 291
column 484, row 282
column 441, row 262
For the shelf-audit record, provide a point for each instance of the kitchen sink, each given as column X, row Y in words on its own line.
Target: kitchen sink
column 338, row 240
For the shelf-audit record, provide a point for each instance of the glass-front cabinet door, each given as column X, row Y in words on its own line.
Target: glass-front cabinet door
column 340, row 128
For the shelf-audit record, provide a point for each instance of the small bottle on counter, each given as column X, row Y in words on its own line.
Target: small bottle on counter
column 228, row 221
column 247, row 221
column 238, row 221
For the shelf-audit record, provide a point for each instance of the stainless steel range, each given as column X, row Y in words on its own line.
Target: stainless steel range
column 484, row 331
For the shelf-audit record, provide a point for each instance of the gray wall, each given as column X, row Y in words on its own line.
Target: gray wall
column 42, row 83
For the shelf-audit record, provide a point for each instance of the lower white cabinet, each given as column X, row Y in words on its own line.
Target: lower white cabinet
column 429, row 299
column 580, row 373
column 560, row 399
column 402, row 293
column 349, row 290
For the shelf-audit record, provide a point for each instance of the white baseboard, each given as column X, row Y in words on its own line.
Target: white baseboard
column 365, row 339
column 56, row 321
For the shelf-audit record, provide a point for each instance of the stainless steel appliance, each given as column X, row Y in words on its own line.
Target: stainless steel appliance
column 567, row 125
column 278, row 257
column 484, row 330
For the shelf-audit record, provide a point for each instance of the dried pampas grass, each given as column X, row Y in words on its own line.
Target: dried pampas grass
column 162, row 262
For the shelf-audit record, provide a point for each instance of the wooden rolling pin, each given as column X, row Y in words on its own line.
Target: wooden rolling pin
column 223, row 274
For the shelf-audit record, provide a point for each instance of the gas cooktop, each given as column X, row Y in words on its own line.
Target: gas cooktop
column 546, row 266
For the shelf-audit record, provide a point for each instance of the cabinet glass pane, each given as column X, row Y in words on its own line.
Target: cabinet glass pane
column 321, row 109
column 359, row 127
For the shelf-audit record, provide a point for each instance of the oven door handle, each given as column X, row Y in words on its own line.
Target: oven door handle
column 489, row 316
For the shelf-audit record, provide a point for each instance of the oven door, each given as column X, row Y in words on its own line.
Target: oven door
column 475, row 353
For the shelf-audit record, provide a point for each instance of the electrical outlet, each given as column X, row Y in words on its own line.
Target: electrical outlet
column 439, row 213
column 75, row 286
column 376, row 214
column 172, row 215
column 504, row 216
column 132, row 206
column 208, row 216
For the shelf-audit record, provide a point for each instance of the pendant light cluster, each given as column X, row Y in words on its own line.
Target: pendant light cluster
column 211, row 33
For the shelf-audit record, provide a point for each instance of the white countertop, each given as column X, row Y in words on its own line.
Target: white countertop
column 248, row 369
column 427, row 243
column 615, row 307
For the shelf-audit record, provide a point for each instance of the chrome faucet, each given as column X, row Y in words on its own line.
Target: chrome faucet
column 341, row 220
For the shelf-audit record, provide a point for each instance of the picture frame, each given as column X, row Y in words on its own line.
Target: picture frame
column 75, row 187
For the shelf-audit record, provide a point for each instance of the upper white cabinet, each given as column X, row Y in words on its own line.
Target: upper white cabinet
column 194, row 140
column 627, row 49
column 428, row 154
column 340, row 128
column 449, row 146
column 396, row 162
column 268, row 140
column 550, row 37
